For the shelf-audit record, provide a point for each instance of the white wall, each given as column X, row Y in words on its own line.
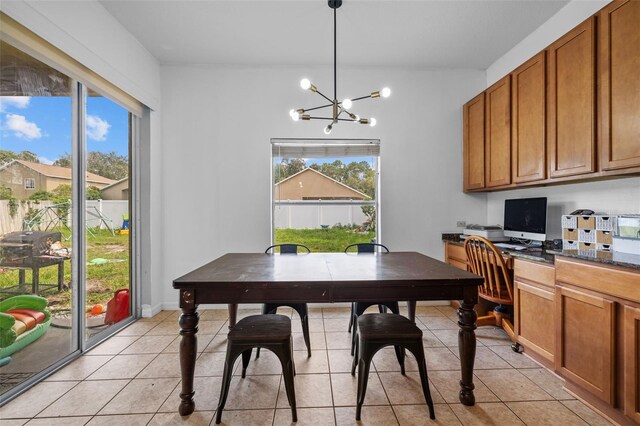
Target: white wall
column 611, row 196
column 217, row 150
column 614, row 196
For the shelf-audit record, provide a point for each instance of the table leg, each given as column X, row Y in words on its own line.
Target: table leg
column 467, row 347
column 188, row 351
column 411, row 310
column 21, row 279
column 36, row 280
column 60, row 275
column 233, row 314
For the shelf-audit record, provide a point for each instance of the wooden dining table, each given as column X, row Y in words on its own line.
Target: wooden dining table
column 325, row 278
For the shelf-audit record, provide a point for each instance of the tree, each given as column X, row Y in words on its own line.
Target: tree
column 110, row 165
column 62, row 193
column 93, row 193
column 41, row 195
column 6, row 156
column 288, row 167
column 63, row 161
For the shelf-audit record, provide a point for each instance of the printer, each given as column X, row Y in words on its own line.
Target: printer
column 490, row 232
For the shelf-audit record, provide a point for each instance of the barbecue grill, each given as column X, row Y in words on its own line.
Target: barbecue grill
column 30, row 250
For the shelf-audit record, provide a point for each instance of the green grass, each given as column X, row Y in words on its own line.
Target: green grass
column 102, row 280
column 323, row 240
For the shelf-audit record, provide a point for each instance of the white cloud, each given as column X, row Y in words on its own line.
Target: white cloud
column 14, row 101
column 97, row 128
column 45, row 160
column 22, row 128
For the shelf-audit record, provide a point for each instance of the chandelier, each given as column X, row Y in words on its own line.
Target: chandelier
column 341, row 111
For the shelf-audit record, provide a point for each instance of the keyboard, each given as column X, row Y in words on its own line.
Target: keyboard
column 510, row 246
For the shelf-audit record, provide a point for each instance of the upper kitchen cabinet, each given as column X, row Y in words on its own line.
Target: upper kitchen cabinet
column 497, row 152
column 571, row 106
column 619, row 84
column 473, row 149
column 528, row 109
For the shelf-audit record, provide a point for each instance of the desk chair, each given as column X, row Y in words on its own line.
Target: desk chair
column 486, row 260
column 358, row 308
column 300, row 308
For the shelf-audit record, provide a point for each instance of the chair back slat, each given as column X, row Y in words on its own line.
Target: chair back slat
column 288, row 248
column 367, row 247
column 486, row 260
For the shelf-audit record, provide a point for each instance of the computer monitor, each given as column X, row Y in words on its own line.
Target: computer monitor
column 526, row 218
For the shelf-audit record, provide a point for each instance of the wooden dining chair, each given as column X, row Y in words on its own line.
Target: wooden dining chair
column 486, row 260
column 358, row 308
column 300, row 308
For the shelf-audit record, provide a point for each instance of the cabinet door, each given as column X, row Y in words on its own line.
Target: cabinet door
column 619, row 94
column 473, row 146
column 534, row 319
column 571, row 124
column 528, row 114
column 632, row 362
column 497, row 165
column 584, row 339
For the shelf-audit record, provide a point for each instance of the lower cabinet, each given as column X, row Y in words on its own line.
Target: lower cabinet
column 534, row 310
column 584, row 341
column 455, row 255
column 598, row 335
column 632, row 362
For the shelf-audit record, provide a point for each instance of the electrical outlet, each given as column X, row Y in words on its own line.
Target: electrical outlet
column 461, row 224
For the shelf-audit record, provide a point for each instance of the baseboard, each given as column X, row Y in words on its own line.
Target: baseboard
column 149, row 311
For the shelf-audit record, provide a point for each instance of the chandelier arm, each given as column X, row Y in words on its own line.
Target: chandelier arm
column 318, row 107
column 360, row 98
column 330, row 118
column 321, row 94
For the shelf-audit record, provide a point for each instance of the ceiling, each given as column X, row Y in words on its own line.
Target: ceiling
column 416, row 33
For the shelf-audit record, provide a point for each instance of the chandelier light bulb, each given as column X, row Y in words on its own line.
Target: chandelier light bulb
column 356, row 119
column 292, row 112
column 385, row 92
column 294, row 115
column 327, row 129
column 305, row 84
column 372, row 122
column 347, row 104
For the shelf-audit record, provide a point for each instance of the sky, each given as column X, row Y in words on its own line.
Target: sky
column 42, row 125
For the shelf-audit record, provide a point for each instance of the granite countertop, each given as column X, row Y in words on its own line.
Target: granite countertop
column 548, row 255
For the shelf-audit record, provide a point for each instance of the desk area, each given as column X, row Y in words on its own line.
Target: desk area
column 580, row 317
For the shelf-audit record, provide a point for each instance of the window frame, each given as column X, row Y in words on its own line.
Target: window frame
column 337, row 143
column 26, row 180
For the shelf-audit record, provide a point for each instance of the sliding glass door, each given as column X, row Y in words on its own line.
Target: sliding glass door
column 66, row 269
column 38, row 324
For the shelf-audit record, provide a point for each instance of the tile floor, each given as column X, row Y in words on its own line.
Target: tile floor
column 134, row 379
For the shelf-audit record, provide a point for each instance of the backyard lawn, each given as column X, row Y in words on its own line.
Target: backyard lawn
column 323, row 240
column 102, row 278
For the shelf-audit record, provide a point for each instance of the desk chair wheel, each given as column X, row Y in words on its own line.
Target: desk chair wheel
column 516, row 347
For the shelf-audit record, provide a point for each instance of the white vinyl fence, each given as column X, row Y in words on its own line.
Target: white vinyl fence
column 316, row 214
column 9, row 223
column 112, row 209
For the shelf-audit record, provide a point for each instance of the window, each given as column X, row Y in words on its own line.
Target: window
column 325, row 192
column 29, row 183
